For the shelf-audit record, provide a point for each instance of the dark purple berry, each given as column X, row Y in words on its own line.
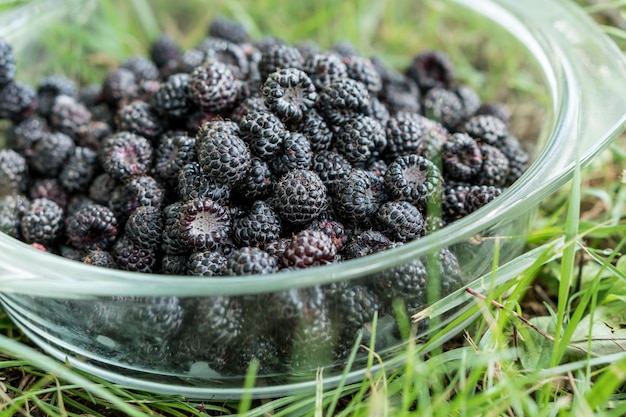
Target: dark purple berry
column 50, row 154
column 461, row 157
column 203, row 224
column 212, row 86
column 415, row 179
column 13, row 172
column 92, row 227
column 324, row 68
column 138, row 117
column 69, row 116
column 358, row 196
column 309, row 248
column 359, row 139
column 42, row 222
column 250, row 261
column 206, row 264
column 145, row 226
column 300, row 196
column 223, row 157
column 125, row 155
column 131, row 257
column 400, row 220
column 289, row 93
column 431, row 69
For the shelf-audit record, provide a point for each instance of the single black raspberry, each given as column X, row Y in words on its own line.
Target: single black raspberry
column 12, row 208
column 101, row 258
column 164, row 50
column 431, row 69
column 356, row 305
column 228, row 53
column 42, row 222
column 13, row 172
column 264, row 132
column 172, row 97
column 212, row 86
column 518, row 158
column 193, row 183
column 228, row 29
column 486, row 128
column 324, row 68
column 145, row 226
column 142, row 190
column 365, row 243
column 415, row 179
column 51, row 87
column 359, row 139
column 316, row 130
column 69, row 116
column 124, row 155
column 469, row 99
column 407, row 282
column 461, row 158
column 131, row 257
column 259, row 226
column 295, row 153
column 309, row 248
column 453, row 202
column 94, row 134
column 279, row 56
column 142, row 67
column 139, row 117
column 18, row 101
column 400, row 220
column 174, row 151
column 496, row 109
column 289, row 93
column 174, row 264
column 495, row 168
column 362, row 69
column 206, row 264
column 79, row 169
column 333, row 228
column 50, row 154
column 331, row 167
column 119, row 87
column 378, row 111
column 223, row 157
column 26, row 133
column 7, row 62
column 443, row 106
column 171, row 241
column 358, row 196
column 300, row 196
column 92, row 227
column 49, row 188
column 250, row 261
column 405, row 134
column 257, row 183
column 479, row 195
column 203, row 224
column 341, row 99
column 101, row 187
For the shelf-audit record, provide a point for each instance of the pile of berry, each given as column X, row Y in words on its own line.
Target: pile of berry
column 242, row 157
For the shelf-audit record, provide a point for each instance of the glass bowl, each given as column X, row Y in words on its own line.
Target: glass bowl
column 163, row 333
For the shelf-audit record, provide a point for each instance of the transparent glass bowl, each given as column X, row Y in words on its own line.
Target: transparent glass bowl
column 142, row 330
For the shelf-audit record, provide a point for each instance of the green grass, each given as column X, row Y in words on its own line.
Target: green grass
column 548, row 343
